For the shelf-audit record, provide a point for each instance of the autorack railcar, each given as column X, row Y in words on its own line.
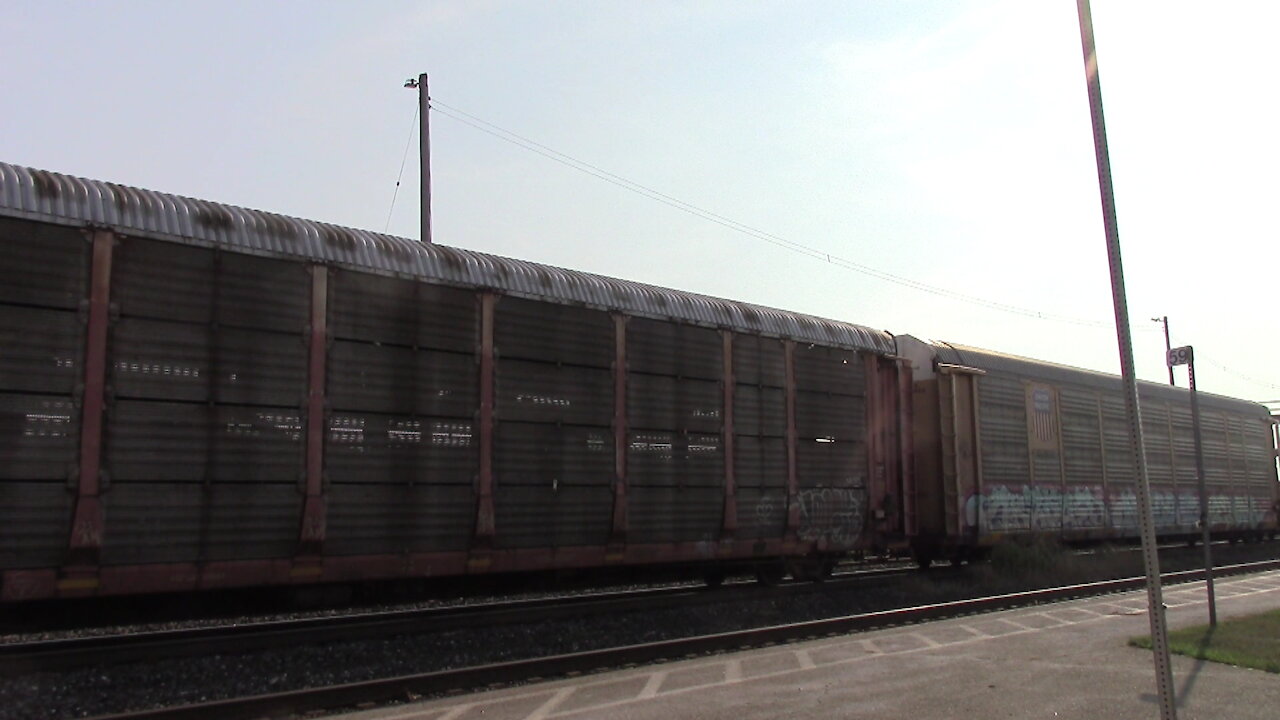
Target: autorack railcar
column 195, row 395
column 1009, row 447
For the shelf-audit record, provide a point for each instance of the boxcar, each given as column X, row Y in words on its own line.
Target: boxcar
column 195, row 395
column 1007, row 446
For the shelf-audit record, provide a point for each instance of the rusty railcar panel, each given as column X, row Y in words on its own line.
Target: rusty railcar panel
column 829, row 370
column 762, row 512
column 546, row 516
column 171, row 281
column 1081, row 438
column 186, row 522
column 156, row 441
column 664, row 514
column 404, row 312
column 39, row 437
column 834, row 464
column 42, row 265
column 553, row 333
column 760, row 462
column 759, row 361
column 372, row 518
column 374, row 448
column 830, row 417
column 42, row 350
column 1003, row 420
column 760, row 411
column 553, row 456
column 674, row 349
column 35, row 519
column 400, row 380
column 666, row 403
column 669, row 459
column 543, row 392
column 181, row 361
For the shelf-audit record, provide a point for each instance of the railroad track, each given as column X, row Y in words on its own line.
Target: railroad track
column 472, row 678
column 63, row 653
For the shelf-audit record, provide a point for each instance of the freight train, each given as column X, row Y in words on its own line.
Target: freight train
column 198, row 396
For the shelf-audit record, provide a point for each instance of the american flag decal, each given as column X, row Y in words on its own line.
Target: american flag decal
column 1042, row 417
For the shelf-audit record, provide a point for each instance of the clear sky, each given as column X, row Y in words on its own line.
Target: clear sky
column 948, row 143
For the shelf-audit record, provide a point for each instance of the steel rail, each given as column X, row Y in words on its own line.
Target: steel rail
column 472, row 678
column 64, row 653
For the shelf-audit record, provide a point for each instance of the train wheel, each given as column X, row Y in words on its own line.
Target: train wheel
column 714, row 577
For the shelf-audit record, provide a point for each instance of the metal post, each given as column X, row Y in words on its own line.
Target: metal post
column 1178, row 357
column 1155, row 600
column 424, row 152
column 424, row 105
column 1164, row 320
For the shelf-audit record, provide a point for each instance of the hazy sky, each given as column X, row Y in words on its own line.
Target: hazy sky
column 947, row 143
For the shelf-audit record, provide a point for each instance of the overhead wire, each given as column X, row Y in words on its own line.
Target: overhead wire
column 533, row 146
column 1237, row 374
column 412, row 126
column 538, row 148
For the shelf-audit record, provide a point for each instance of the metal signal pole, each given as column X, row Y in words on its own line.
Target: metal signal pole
column 1164, row 320
column 1155, row 599
column 1186, row 356
column 424, row 151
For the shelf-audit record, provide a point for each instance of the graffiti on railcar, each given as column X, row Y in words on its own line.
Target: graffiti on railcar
column 836, row 515
column 1002, row 508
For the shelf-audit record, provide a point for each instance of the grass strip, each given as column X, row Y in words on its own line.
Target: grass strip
column 1251, row 641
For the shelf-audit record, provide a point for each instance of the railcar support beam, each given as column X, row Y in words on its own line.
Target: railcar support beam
column 80, row 573
column 729, row 527
column 312, row 533
column 618, row 532
column 485, row 526
column 791, row 534
column 1155, row 599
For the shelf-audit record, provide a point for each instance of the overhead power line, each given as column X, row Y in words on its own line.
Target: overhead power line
column 412, row 126
column 538, row 148
column 1240, row 375
column 815, row 253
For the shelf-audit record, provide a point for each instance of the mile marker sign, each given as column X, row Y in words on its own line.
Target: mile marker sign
column 1180, row 356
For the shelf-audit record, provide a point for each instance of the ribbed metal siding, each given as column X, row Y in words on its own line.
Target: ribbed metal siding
column 1082, row 460
column 182, row 522
column 401, row 451
column 550, row 456
column 762, row 512
column 665, row 514
column 831, row 418
column 553, row 443
column 1239, row 494
column 43, row 280
column 398, row 517
column 1005, row 459
column 546, row 516
column 675, row 451
column 57, row 198
column 204, row 437
column 402, row 312
column 760, row 428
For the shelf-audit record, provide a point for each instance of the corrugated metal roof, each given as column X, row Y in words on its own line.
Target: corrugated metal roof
column 1027, row 368
column 63, row 199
